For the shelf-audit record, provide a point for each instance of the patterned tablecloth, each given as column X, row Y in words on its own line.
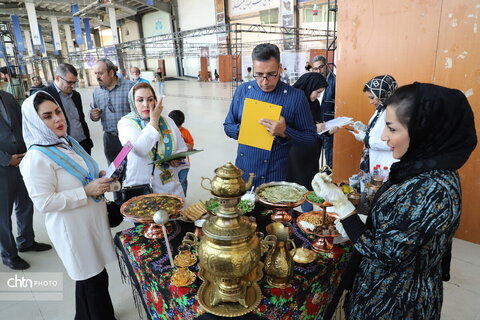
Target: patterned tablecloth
column 145, row 263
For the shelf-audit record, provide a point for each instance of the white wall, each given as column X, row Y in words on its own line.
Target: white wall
column 130, row 31
column 194, row 14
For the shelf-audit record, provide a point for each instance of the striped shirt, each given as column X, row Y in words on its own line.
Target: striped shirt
column 271, row 165
column 113, row 103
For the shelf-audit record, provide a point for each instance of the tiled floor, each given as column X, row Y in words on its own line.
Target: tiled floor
column 205, row 106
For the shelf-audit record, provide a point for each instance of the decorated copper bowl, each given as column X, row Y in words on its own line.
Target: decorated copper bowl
column 289, row 194
column 142, row 208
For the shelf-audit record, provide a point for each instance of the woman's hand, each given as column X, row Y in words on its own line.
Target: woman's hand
column 98, row 187
column 320, row 126
column 333, row 130
column 175, row 163
column 324, row 188
column 155, row 114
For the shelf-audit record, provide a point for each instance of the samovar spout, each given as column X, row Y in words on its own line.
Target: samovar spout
column 248, row 184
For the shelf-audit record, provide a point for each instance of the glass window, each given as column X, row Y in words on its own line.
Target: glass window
column 269, row 16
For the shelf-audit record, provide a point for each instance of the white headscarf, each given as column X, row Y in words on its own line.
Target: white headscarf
column 35, row 131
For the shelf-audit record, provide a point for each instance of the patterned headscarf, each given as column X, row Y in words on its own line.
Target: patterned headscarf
column 131, row 100
column 382, row 87
column 35, row 131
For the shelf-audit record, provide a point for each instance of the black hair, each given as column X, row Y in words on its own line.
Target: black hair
column 41, row 97
column 177, row 116
column 402, row 101
column 12, row 73
column 266, row 51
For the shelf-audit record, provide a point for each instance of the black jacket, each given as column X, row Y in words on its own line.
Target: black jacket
column 10, row 134
column 77, row 100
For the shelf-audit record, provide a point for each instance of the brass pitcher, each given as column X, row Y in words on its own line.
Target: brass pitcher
column 279, row 260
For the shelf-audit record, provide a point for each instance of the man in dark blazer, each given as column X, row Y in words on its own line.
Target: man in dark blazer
column 66, row 77
column 12, row 188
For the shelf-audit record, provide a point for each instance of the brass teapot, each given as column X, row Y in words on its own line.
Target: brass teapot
column 228, row 182
column 279, row 260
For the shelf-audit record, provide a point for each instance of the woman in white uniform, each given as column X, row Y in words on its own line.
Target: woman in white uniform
column 376, row 151
column 153, row 137
column 63, row 183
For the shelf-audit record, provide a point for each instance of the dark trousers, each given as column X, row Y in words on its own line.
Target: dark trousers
column 111, row 148
column 92, row 300
column 328, row 149
column 13, row 192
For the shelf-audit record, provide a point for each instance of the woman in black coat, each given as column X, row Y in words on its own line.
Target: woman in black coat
column 303, row 162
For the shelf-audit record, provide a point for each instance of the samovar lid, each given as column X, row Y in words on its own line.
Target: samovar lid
column 228, row 171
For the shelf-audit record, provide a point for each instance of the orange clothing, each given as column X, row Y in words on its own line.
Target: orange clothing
column 187, row 137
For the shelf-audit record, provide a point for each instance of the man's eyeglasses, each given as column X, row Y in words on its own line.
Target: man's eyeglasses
column 69, row 82
column 319, row 67
column 266, row 77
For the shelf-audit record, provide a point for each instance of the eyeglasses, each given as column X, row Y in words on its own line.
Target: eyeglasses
column 319, row 67
column 69, row 82
column 266, row 77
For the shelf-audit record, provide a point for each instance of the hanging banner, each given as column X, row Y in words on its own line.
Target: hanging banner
column 28, row 42
column 42, row 44
column 55, row 50
column 18, row 33
column 86, row 24
column 32, row 20
column 113, row 24
column 57, row 43
column 287, row 17
column 77, row 27
column 287, row 13
column 68, row 36
column 1, row 49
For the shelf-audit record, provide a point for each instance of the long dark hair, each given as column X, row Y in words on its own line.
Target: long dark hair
column 40, row 97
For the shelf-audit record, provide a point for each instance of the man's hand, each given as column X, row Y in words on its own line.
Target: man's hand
column 15, row 159
column 275, row 128
column 95, row 114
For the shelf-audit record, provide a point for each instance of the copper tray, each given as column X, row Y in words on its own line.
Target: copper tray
column 324, row 243
column 154, row 231
column 280, row 209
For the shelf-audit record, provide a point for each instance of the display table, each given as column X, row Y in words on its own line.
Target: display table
column 145, row 263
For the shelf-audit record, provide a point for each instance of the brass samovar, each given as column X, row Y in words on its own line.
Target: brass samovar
column 229, row 252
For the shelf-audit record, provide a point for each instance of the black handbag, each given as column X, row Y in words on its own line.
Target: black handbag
column 114, row 215
column 133, row 191
column 141, row 189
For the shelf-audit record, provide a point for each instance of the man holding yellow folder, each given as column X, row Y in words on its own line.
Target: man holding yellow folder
column 294, row 125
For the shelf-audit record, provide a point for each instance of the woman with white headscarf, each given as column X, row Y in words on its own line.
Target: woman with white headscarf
column 154, row 137
column 63, row 183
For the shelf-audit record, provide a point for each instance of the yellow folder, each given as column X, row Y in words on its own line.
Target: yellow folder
column 253, row 133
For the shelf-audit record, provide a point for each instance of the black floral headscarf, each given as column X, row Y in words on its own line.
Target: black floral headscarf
column 441, row 129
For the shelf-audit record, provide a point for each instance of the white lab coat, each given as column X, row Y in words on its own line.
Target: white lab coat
column 77, row 225
column 379, row 150
column 139, row 167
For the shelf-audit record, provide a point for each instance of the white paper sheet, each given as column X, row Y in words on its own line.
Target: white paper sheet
column 337, row 122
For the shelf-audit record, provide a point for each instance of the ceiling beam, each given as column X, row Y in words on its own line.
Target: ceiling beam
column 157, row 4
column 43, row 13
